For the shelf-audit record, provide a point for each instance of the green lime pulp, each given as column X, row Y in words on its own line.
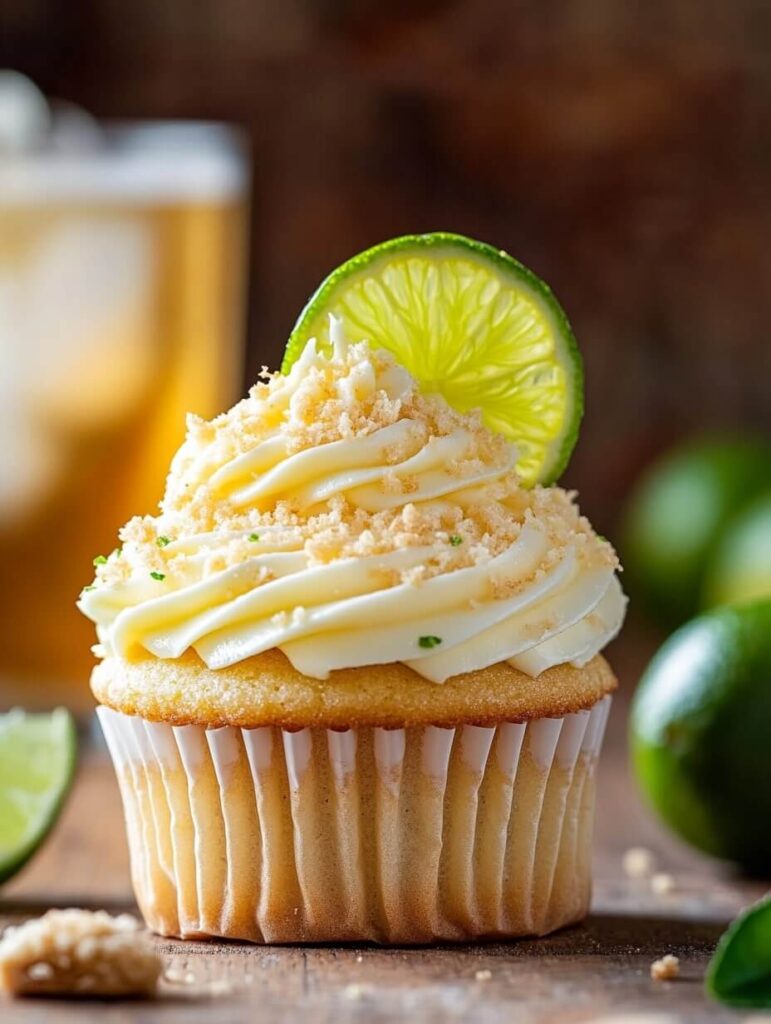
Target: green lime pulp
column 37, row 760
column 470, row 322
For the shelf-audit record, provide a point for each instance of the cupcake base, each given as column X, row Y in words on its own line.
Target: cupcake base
column 396, row 836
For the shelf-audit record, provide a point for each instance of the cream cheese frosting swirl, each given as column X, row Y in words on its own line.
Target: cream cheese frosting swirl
column 345, row 517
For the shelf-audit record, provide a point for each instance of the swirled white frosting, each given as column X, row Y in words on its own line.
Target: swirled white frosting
column 343, row 516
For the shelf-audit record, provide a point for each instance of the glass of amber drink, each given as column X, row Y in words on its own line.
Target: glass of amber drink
column 122, row 270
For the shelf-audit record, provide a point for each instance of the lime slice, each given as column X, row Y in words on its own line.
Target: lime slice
column 470, row 322
column 37, row 760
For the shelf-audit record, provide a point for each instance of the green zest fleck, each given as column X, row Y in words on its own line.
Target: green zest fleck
column 739, row 973
column 455, row 540
column 163, row 541
column 100, row 560
column 429, row 641
column 91, row 586
column 254, row 536
column 118, row 552
column 158, row 575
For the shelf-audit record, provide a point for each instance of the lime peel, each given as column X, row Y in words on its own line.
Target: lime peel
column 37, row 763
column 739, row 973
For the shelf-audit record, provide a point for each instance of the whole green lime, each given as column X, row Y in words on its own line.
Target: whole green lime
column 701, row 733
column 679, row 513
column 740, row 568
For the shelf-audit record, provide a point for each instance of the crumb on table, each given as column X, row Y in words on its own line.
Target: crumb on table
column 665, row 969
column 662, row 883
column 639, row 862
column 79, row 953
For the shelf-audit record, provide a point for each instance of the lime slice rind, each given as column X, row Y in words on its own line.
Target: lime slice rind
column 468, row 321
column 37, row 763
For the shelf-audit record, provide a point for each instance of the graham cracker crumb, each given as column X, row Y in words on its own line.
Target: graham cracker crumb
column 79, row 953
column 639, row 862
column 665, row 969
column 662, row 883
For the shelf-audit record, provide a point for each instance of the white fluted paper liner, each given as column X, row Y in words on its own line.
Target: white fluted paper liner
column 400, row 836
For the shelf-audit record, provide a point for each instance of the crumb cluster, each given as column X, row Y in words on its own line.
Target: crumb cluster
column 640, row 864
column 79, row 952
column 665, row 969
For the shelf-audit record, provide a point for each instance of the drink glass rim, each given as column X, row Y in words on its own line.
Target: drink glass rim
column 143, row 162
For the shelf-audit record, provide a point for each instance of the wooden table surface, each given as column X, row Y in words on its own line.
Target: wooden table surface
column 598, row 971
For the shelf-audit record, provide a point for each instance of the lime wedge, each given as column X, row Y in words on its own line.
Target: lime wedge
column 471, row 323
column 37, row 760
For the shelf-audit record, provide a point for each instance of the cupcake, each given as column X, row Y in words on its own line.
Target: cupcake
column 349, row 675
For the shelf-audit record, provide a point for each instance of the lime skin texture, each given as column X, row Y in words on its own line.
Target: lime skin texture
column 740, row 568
column 700, row 731
column 678, row 515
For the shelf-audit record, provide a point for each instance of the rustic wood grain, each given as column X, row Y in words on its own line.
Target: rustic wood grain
column 581, row 974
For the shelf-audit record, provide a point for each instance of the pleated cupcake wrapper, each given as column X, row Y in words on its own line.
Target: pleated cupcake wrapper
column 401, row 836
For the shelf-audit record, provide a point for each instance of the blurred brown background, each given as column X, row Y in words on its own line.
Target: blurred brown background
column 622, row 150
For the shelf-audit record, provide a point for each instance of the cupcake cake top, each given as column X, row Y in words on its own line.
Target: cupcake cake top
column 349, row 516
